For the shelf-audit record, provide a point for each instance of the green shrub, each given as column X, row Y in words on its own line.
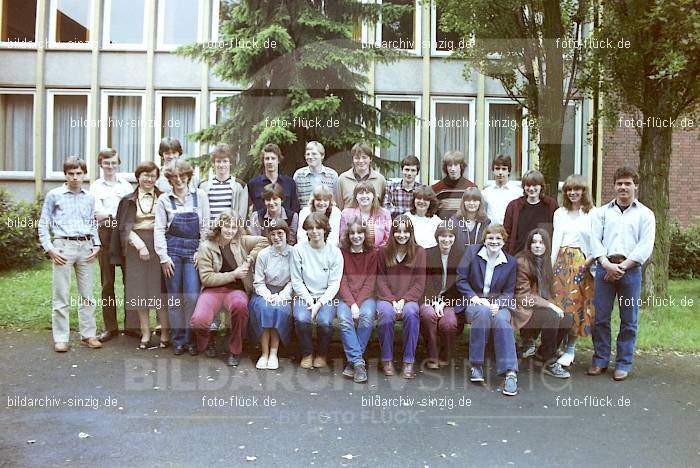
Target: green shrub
column 684, row 259
column 19, row 237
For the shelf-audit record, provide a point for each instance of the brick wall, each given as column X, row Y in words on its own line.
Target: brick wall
column 621, row 147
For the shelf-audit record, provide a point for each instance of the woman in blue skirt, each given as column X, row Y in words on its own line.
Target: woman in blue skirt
column 270, row 307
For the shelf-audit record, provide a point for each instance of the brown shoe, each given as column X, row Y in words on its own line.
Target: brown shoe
column 388, row 368
column 306, row 362
column 443, row 363
column 93, row 343
column 432, row 365
column 320, row 361
column 620, row 375
column 595, row 370
column 61, row 347
column 407, row 371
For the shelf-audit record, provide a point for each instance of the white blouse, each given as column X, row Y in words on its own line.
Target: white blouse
column 570, row 231
column 424, row 229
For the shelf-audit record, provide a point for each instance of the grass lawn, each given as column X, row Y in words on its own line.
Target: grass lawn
column 27, row 304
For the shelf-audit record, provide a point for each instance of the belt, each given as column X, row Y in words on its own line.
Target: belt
column 78, row 238
column 616, row 258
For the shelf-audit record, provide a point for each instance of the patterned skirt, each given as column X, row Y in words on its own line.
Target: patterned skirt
column 573, row 288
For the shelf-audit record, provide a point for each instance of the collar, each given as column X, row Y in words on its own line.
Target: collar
column 117, row 180
column 151, row 192
column 401, row 184
column 65, row 189
column 321, row 169
column 283, row 215
column 275, row 253
column 221, row 182
column 360, row 179
column 499, row 260
column 612, row 203
column 171, row 194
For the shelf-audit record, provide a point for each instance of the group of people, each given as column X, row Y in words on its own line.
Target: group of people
column 281, row 254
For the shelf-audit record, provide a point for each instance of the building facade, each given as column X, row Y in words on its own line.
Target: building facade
column 79, row 75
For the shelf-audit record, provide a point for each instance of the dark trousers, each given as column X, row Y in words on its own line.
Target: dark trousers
column 109, row 301
column 550, row 327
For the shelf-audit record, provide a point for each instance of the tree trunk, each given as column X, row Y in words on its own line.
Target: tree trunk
column 654, row 167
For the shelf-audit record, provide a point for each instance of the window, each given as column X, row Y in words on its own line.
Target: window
column 122, row 127
column 18, row 21
column 68, row 128
column 506, row 134
column 219, row 112
column 570, row 162
column 451, row 130
column 16, row 132
column 442, row 42
column 406, row 138
column 404, row 32
column 178, row 23
column 221, row 11
column 124, row 23
column 178, row 116
column 70, row 21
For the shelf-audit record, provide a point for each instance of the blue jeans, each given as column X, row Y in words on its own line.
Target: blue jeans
column 482, row 321
column 627, row 290
column 303, row 327
column 183, row 289
column 355, row 340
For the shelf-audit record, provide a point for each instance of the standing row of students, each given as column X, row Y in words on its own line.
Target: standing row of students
column 156, row 235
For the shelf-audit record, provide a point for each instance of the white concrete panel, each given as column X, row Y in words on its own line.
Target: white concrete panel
column 17, row 68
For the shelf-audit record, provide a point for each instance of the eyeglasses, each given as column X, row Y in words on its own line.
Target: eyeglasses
column 109, row 163
column 148, row 176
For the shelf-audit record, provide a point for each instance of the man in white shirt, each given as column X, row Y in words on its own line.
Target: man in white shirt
column 622, row 239
column 497, row 195
column 108, row 190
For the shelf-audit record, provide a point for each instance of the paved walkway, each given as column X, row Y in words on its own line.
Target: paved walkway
column 119, row 406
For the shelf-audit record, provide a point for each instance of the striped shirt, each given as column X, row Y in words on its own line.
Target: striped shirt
column 220, row 195
column 307, row 181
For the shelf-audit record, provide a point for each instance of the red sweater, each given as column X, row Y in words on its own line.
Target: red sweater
column 512, row 219
column 401, row 281
column 359, row 276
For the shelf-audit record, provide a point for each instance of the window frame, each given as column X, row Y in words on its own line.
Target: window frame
column 53, row 16
column 107, row 29
column 50, row 97
column 471, row 157
column 417, row 111
column 104, row 129
column 578, row 138
column 158, row 124
column 525, row 156
column 162, row 46
column 21, row 45
column 434, row 52
column 417, row 30
column 24, row 175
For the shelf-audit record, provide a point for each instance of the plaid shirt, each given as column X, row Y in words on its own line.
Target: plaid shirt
column 397, row 199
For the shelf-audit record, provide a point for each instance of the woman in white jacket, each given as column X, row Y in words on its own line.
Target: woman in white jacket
column 571, row 261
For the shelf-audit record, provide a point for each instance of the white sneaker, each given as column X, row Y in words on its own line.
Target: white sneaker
column 566, row 359
column 262, row 363
column 273, row 362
